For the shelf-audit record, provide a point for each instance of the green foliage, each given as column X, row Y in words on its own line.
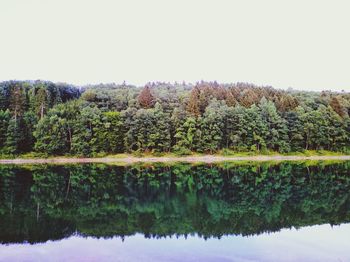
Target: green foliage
column 4, row 122
column 182, row 151
column 14, row 136
column 277, row 131
column 149, row 130
column 212, row 125
column 110, row 134
column 21, row 104
column 188, row 135
column 207, row 117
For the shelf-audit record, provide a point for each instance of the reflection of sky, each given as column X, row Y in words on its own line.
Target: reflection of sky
column 316, row 243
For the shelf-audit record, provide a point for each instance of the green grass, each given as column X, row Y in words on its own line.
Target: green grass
column 228, row 152
column 223, row 152
column 315, row 153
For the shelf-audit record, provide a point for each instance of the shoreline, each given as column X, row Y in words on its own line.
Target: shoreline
column 186, row 159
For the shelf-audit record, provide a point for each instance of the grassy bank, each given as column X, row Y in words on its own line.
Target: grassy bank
column 171, row 157
column 221, row 153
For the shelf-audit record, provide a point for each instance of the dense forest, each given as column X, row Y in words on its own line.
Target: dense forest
column 40, row 203
column 61, row 119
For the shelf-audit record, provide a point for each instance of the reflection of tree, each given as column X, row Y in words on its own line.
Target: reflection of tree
column 38, row 203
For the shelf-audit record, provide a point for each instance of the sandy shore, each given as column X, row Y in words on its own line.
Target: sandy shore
column 188, row 159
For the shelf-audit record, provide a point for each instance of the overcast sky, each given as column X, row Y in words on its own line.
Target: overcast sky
column 303, row 44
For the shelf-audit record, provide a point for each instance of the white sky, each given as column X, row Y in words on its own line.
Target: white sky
column 304, row 44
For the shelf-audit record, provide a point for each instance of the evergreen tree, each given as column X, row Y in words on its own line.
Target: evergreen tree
column 236, row 128
column 256, row 129
column 277, row 136
column 193, row 103
column 41, row 102
column 14, row 136
column 149, row 130
column 188, row 135
column 29, row 122
column 212, row 126
column 54, row 133
column 146, row 99
column 295, row 127
column 5, row 117
column 17, row 101
column 206, row 117
column 110, row 134
column 337, row 106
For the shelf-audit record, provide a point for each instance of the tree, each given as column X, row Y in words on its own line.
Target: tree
column 295, row 128
column 205, row 117
column 84, row 137
column 337, row 106
column 110, row 134
column 315, row 128
column 54, row 132
column 14, row 136
column 29, row 121
column 17, row 101
column 188, row 134
column 193, row 103
column 160, row 139
column 145, row 98
column 256, row 129
column 5, row 117
column 277, row 136
column 149, row 130
column 236, row 128
column 41, row 102
column 212, row 126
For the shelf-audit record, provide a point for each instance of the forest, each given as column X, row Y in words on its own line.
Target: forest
column 206, row 117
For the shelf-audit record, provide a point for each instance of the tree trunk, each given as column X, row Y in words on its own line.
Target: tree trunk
column 42, row 111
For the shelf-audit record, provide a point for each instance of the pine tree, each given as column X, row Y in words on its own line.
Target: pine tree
column 5, row 117
column 110, row 134
column 337, row 106
column 14, row 136
column 256, row 129
column 29, row 121
column 17, row 101
column 295, row 127
column 145, row 98
column 213, row 126
column 193, row 103
column 41, row 102
column 277, row 136
column 188, row 135
column 236, row 128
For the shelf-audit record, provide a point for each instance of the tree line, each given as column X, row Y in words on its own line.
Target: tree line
column 58, row 119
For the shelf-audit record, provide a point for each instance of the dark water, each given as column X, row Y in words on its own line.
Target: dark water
column 225, row 212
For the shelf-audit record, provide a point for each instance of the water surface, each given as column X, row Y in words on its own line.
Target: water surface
column 224, row 212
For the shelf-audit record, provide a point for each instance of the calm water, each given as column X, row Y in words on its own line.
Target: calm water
column 224, row 212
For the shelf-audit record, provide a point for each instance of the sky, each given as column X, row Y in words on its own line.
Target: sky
column 302, row 44
column 313, row 243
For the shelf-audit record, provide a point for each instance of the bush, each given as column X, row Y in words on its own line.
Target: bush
column 157, row 153
column 227, row 152
column 99, row 154
column 137, row 153
column 182, row 151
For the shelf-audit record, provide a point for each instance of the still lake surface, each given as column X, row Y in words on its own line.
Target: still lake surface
column 289, row 211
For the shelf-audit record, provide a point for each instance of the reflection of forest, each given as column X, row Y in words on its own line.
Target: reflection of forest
column 38, row 203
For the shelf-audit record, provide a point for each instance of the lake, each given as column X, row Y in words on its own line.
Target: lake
column 288, row 211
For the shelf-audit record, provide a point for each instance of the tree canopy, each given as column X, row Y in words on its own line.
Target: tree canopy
column 58, row 119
